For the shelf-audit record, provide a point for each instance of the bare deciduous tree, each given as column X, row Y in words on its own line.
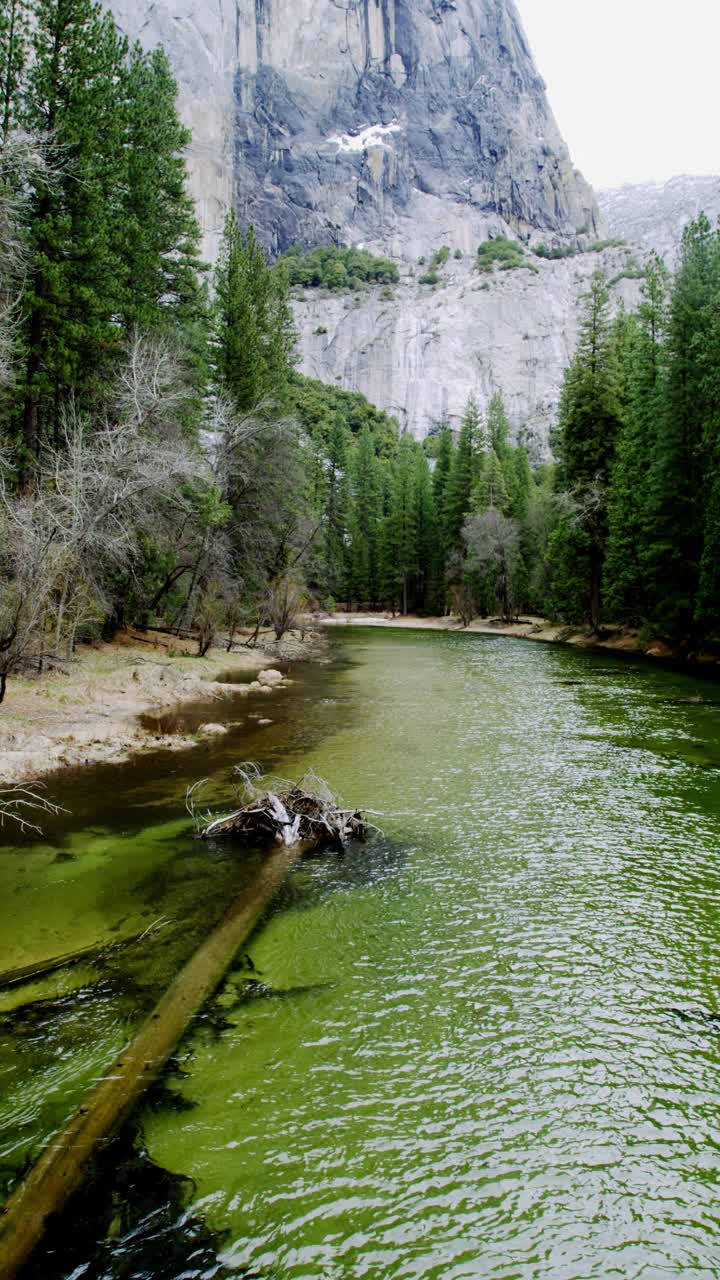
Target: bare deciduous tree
column 285, row 603
column 20, row 800
column 493, row 544
column 101, row 489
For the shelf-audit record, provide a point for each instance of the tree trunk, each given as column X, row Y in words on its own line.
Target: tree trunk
column 169, row 582
column 251, row 643
column 61, row 1170
column 595, row 580
column 31, row 410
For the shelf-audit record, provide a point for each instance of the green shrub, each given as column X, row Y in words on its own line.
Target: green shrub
column 563, row 251
column 458, row 253
column 332, row 267
column 633, row 271
column 320, row 330
column 387, row 295
column 502, row 252
column 430, row 277
column 598, row 245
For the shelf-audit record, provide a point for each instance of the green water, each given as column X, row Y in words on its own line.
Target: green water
column 488, row 1044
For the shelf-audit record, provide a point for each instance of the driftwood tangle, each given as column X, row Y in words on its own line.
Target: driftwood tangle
column 286, row 813
column 60, row 1171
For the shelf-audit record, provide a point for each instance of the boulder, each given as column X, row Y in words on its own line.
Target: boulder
column 270, row 677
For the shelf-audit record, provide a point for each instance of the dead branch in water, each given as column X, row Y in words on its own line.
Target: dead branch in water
column 20, row 799
column 96, row 953
column 274, row 810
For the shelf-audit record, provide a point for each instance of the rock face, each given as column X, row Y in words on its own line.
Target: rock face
column 402, row 126
column 420, row 352
column 654, row 214
column 396, row 123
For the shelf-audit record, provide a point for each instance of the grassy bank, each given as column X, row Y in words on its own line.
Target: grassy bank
column 90, row 712
column 612, row 639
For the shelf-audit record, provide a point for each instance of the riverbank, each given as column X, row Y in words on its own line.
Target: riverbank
column 91, row 713
column 614, row 639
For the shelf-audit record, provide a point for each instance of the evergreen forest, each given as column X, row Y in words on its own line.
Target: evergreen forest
column 162, row 461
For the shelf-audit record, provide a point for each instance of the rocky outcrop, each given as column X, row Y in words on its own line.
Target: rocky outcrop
column 397, row 124
column 420, row 352
column 654, row 214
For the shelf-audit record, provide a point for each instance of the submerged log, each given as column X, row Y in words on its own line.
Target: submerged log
column 294, row 819
column 61, row 1170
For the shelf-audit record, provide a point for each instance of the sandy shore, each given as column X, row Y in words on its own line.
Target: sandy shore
column 614, row 640
column 90, row 713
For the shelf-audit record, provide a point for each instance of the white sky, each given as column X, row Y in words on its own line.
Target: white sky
column 634, row 84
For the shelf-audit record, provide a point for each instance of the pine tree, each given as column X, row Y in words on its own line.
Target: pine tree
column 463, row 475
column 491, row 489
column 14, row 29
column 498, row 431
column 707, row 604
column 589, row 422
column 498, row 427
column 254, row 331
column 682, row 482
column 523, row 484
column 73, row 104
column 403, row 521
column 336, row 517
column 632, row 474
column 365, row 519
column 441, row 473
column 388, row 551
column 159, row 231
column 426, row 533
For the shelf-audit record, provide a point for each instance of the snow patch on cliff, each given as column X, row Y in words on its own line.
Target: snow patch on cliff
column 373, row 135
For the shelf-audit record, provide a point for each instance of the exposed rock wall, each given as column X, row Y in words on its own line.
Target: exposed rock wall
column 401, row 125
column 420, row 352
column 654, row 214
column 396, row 123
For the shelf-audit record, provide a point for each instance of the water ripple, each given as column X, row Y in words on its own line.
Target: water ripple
column 515, row 1072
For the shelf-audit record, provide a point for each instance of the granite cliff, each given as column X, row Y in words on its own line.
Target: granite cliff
column 402, row 126
column 375, row 121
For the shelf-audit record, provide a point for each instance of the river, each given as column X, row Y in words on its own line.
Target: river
column 485, row 1045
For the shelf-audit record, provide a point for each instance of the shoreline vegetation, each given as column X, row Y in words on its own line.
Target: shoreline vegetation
column 612, row 639
column 92, row 713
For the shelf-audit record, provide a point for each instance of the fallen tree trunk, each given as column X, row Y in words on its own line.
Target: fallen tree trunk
column 61, row 1170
